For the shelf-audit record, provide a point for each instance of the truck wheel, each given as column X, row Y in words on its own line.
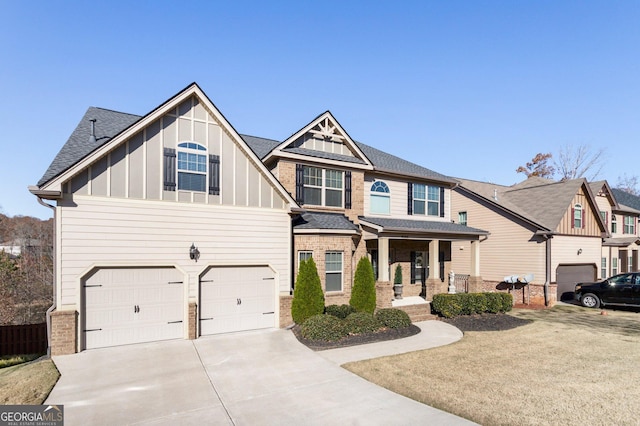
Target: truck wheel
column 590, row 300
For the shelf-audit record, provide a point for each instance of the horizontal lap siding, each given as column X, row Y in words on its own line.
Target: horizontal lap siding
column 509, row 248
column 108, row 232
column 564, row 250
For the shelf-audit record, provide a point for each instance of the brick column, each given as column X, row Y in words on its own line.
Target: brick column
column 285, row 310
column 193, row 320
column 64, row 332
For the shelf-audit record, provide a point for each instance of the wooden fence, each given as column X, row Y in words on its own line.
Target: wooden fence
column 23, row 339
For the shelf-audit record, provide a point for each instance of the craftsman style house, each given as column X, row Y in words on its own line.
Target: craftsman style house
column 545, row 235
column 174, row 225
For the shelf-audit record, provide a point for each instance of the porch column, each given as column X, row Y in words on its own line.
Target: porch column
column 383, row 259
column 475, row 258
column 434, row 260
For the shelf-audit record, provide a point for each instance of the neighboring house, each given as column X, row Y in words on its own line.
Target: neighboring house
column 620, row 251
column 11, row 248
column 552, row 230
column 173, row 225
column 167, row 226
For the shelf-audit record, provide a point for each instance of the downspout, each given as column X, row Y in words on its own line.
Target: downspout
column 53, row 286
column 547, row 280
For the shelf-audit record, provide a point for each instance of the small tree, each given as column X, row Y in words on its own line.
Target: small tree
column 363, row 294
column 397, row 278
column 308, row 298
column 538, row 166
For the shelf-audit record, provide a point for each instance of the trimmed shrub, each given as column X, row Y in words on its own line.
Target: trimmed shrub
column 339, row 311
column 451, row 305
column 308, row 298
column 361, row 322
column 323, row 327
column 397, row 278
column 363, row 294
column 393, row 318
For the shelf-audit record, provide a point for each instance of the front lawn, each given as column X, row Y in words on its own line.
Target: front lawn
column 570, row 366
column 28, row 383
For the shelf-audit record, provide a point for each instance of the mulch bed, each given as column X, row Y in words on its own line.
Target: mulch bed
column 358, row 339
column 484, row 322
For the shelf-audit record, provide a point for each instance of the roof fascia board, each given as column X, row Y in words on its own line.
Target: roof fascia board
column 277, row 151
column 309, row 159
column 326, row 231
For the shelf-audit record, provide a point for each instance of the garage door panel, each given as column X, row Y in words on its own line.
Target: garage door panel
column 132, row 305
column 236, row 298
column 567, row 276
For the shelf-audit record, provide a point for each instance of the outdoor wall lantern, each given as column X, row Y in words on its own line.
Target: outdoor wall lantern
column 194, row 253
column 579, row 251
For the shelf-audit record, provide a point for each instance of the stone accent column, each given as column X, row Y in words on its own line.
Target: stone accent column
column 64, row 332
column 193, row 320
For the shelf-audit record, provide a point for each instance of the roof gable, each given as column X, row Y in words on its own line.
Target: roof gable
column 540, row 201
column 323, row 139
column 80, row 150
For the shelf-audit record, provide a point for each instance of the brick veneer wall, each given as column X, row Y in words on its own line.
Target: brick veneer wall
column 64, row 332
column 285, row 310
column 193, row 320
column 535, row 292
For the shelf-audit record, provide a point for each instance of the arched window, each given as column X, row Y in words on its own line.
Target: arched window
column 577, row 216
column 192, row 167
column 380, row 198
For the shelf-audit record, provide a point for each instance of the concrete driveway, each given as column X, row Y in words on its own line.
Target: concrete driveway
column 253, row 378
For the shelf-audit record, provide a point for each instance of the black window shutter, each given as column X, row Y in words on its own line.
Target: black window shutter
column 169, row 169
column 214, row 174
column 347, row 190
column 413, row 267
column 299, row 183
column 410, row 199
column 441, row 201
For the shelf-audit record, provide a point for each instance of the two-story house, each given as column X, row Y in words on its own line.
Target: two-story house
column 545, row 235
column 621, row 213
column 359, row 201
column 174, row 225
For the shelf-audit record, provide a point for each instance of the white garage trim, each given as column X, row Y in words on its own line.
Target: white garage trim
column 237, row 298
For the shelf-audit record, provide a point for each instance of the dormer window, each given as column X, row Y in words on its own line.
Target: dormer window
column 192, row 167
column 380, row 198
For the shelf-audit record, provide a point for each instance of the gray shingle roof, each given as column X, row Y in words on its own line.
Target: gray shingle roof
column 541, row 201
column 328, row 221
column 407, row 225
column 626, row 199
column 260, row 146
column 385, row 162
column 108, row 124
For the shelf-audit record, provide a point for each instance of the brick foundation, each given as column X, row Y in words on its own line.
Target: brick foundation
column 193, row 320
column 533, row 294
column 64, row 332
column 421, row 312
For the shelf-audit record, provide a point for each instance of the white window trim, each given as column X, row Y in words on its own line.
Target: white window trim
column 426, row 200
column 341, row 272
column 380, row 195
column 323, row 187
column 196, row 151
column 305, row 252
column 577, row 211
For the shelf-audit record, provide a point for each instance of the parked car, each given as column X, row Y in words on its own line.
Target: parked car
column 622, row 289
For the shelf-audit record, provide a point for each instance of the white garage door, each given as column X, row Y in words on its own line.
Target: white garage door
column 132, row 305
column 237, row 299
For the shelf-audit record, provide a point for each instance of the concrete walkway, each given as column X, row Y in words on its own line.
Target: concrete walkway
column 253, row 378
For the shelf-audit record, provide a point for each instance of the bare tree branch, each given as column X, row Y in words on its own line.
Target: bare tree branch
column 576, row 162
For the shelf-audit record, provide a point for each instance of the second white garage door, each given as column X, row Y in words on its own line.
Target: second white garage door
column 237, row 299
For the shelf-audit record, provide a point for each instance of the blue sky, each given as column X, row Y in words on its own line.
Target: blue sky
column 467, row 88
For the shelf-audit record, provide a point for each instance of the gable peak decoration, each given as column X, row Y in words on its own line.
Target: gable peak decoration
column 327, row 130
